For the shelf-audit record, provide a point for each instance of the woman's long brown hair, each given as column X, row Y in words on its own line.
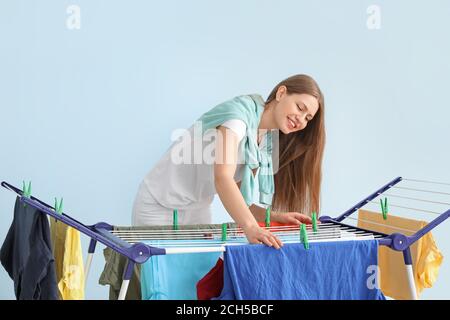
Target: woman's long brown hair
column 299, row 175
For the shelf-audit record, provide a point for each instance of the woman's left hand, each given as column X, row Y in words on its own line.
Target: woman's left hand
column 291, row 218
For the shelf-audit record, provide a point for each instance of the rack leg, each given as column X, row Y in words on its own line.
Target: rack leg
column 128, row 273
column 409, row 271
column 123, row 289
column 87, row 267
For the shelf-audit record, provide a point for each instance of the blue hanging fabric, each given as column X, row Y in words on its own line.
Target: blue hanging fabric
column 342, row 270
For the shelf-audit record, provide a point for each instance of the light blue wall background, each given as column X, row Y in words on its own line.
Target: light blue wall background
column 86, row 113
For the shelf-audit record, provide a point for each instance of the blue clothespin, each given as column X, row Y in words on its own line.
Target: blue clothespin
column 384, row 208
column 58, row 206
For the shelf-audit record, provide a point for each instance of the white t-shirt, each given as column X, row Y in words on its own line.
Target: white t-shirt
column 189, row 186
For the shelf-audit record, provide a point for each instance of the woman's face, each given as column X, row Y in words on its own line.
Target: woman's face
column 294, row 111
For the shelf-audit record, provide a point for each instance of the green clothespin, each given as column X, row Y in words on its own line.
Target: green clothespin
column 224, row 232
column 384, row 208
column 175, row 219
column 304, row 236
column 314, row 221
column 58, row 206
column 268, row 217
column 26, row 192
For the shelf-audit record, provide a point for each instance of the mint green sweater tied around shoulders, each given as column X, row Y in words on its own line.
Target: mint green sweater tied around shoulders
column 248, row 108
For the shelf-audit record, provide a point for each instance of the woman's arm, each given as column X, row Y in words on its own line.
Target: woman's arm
column 291, row 217
column 283, row 217
column 226, row 155
column 258, row 212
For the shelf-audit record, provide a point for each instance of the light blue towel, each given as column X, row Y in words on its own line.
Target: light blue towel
column 248, row 108
column 175, row 276
column 328, row 270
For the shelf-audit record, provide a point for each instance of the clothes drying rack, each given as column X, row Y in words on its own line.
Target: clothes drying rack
column 130, row 245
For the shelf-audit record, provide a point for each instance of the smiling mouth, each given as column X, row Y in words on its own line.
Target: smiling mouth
column 291, row 123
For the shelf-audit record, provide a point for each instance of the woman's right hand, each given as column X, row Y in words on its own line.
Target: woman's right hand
column 256, row 234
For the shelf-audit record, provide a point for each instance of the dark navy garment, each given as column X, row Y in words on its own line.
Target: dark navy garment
column 27, row 256
column 344, row 270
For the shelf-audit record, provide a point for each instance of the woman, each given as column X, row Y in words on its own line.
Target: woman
column 243, row 134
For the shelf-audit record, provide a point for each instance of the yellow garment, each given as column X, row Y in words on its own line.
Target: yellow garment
column 426, row 256
column 68, row 260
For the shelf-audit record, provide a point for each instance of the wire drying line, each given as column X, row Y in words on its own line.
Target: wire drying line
column 427, row 181
column 381, row 224
column 409, row 208
column 421, row 190
column 410, row 198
